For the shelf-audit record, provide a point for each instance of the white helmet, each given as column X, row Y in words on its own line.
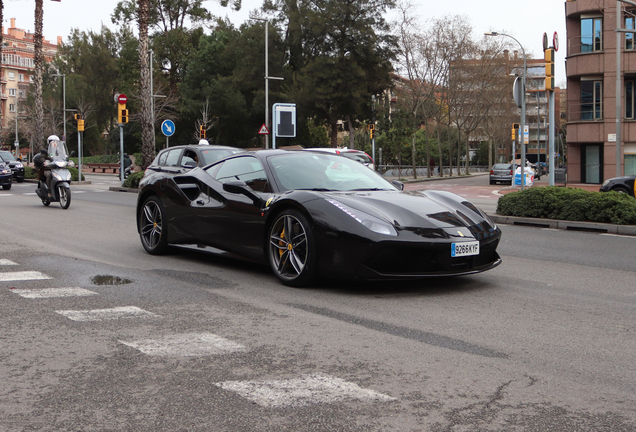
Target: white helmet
column 52, row 138
column 204, row 142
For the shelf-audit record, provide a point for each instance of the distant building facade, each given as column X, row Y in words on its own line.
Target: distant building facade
column 16, row 75
column 591, row 91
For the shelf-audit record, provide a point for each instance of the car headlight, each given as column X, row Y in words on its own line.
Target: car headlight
column 5, row 171
column 605, row 182
column 19, row 165
column 372, row 223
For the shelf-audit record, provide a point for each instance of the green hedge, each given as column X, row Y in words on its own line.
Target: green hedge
column 572, row 204
column 133, row 180
column 32, row 173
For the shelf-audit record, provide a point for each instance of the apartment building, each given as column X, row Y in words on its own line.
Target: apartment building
column 591, row 90
column 16, row 76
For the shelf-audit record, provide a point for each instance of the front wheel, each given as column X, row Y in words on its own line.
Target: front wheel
column 65, row 196
column 152, row 231
column 291, row 249
column 6, row 187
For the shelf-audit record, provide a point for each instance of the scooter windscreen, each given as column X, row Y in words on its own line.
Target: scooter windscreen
column 58, row 151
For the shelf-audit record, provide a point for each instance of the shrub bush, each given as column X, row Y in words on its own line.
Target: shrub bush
column 133, row 180
column 573, row 204
column 32, row 173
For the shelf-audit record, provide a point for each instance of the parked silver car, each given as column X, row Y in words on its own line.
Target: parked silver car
column 501, row 173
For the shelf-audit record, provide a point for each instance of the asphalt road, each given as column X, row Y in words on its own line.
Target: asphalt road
column 98, row 335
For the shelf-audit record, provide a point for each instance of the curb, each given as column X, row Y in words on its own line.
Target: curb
column 123, row 189
column 597, row 227
column 73, row 182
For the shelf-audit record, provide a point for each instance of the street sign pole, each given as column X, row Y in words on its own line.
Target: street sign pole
column 121, row 152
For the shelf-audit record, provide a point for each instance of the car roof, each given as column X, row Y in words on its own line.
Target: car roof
column 201, row 146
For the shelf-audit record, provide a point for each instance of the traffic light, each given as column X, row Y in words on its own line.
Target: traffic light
column 549, row 69
column 371, row 130
column 515, row 130
column 122, row 114
column 80, row 122
column 202, row 132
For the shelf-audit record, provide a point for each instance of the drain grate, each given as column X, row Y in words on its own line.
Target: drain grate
column 109, row 280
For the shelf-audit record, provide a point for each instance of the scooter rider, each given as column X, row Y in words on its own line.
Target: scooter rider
column 43, row 174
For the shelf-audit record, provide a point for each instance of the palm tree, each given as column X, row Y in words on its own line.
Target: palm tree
column 39, row 64
column 147, row 130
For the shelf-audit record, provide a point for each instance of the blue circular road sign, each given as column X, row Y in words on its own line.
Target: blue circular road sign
column 167, row 127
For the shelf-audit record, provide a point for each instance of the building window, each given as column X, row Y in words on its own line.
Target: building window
column 629, row 99
column 11, row 92
column 11, row 107
column 591, row 100
column 591, row 34
column 22, row 94
column 11, row 76
column 21, row 78
column 629, row 37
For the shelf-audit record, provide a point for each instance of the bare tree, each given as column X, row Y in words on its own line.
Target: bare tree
column 206, row 120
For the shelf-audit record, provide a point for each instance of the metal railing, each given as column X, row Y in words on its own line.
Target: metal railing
column 403, row 171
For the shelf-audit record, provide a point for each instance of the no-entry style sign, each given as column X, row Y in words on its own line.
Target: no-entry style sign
column 122, row 99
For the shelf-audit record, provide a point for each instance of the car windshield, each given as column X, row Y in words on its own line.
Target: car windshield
column 502, row 166
column 323, row 171
column 212, row 155
column 7, row 156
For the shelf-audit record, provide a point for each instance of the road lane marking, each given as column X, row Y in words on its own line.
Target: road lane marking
column 107, row 314
column 9, row 194
column 22, row 276
column 186, row 345
column 305, row 390
column 53, row 292
column 618, row 235
column 7, row 262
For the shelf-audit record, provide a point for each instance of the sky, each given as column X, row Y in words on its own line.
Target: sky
column 525, row 20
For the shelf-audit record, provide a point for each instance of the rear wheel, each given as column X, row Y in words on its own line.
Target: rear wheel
column 6, row 187
column 621, row 189
column 152, row 232
column 65, row 196
column 291, row 249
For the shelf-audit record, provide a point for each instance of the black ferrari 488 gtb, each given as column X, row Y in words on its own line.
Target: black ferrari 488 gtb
column 315, row 214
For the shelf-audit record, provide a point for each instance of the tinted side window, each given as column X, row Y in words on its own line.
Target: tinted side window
column 173, row 158
column 162, row 158
column 247, row 169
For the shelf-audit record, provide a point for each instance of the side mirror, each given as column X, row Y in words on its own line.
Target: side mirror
column 190, row 165
column 398, row 184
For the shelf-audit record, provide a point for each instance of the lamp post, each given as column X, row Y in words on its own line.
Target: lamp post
column 58, row 74
column 522, row 122
column 267, row 78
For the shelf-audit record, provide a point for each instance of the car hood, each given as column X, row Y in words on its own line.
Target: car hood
column 415, row 209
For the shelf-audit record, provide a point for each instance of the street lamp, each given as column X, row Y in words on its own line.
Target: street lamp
column 267, row 77
column 522, row 122
column 58, row 74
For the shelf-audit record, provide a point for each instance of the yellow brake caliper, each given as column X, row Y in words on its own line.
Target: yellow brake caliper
column 281, row 243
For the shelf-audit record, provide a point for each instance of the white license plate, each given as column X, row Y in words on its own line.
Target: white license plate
column 464, row 249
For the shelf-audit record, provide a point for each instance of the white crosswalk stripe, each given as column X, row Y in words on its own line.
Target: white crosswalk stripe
column 22, row 276
column 123, row 312
column 186, row 345
column 7, row 262
column 53, row 292
column 302, row 391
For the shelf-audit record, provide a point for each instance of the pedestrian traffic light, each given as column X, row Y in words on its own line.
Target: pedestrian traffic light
column 202, row 132
column 515, row 130
column 549, row 69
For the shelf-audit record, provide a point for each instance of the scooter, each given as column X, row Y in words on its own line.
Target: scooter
column 60, row 178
